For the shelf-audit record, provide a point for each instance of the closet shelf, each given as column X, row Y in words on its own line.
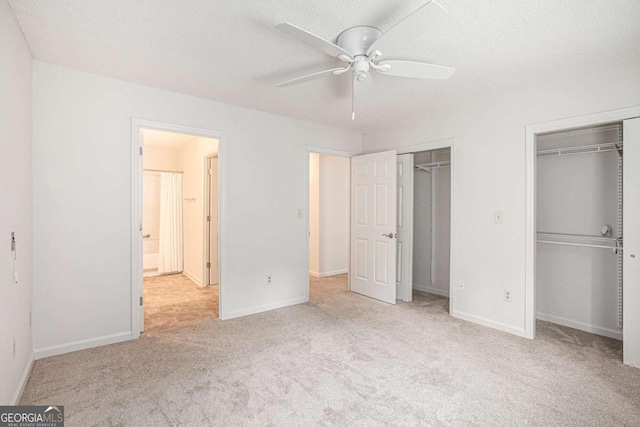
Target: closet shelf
column 584, row 149
column 583, row 240
column 425, row 166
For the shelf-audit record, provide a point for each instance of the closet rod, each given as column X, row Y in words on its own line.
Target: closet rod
column 619, row 248
column 432, row 165
column 586, row 149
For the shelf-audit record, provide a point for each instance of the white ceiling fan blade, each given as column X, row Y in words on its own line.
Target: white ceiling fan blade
column 319, row 43
column 405, row 31
column 318, row 75
column 416, row 70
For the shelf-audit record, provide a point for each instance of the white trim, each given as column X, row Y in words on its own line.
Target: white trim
column 82, row 345
column 530, row 195
column 333, row 272
column 206, row 238
column 137, row 125
column 267, row 307
column 488, row 323
column 428, row 146
column 431, row 290
column 331, row 152
column 17, row 395
column 581, row 326
column 192, row 278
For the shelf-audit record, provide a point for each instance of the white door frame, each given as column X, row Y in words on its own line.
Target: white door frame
column 206, row 240
column 329, row 151
column 530, row 196
column 137, row 125
column 437, row 145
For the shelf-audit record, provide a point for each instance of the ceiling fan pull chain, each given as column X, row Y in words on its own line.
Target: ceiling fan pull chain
column 353, row 95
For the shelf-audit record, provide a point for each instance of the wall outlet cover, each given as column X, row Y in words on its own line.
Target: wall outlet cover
column 507, row 295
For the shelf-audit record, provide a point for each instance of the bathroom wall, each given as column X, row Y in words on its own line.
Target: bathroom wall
column 191, row 161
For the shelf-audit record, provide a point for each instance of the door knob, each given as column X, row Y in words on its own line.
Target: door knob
column 390, row 235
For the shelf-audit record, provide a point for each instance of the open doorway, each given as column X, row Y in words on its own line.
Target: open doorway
column 582, row 230
column 179, row 229
column 329, row 177
column 432, row 222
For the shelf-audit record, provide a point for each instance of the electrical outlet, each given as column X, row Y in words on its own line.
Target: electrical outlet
column 269, row 279
column 507, row 295
column 461, row 285
column 498, row 217
column 13, row 348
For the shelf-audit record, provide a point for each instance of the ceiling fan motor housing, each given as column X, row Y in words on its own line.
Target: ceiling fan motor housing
column 358, row 40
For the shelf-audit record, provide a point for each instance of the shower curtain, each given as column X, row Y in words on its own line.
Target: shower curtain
column 170, row 236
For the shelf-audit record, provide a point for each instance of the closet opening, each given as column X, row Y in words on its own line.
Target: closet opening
column 579, row 231
column 431, row 235
column 328, row 226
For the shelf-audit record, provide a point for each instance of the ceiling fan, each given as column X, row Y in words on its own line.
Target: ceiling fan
column 363, row 47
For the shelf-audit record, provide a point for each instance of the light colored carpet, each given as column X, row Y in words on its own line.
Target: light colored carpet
column 174, row 300
column 344, row 359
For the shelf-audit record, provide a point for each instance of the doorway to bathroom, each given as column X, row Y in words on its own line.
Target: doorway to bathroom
column 179, row 227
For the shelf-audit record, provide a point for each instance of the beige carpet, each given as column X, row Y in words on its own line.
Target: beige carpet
column 174, row 300
column 344, row 359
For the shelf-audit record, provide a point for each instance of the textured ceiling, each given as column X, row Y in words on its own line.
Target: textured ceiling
column 230, row 52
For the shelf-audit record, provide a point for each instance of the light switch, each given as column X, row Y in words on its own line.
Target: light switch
column 299, row 213
column 497, row 217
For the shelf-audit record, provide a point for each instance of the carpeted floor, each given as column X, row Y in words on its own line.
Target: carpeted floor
column 344, row 359
column 174, row 300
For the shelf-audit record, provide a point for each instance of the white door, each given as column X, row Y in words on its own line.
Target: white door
column 631, row 243
column 404, row 276
column 373, row 225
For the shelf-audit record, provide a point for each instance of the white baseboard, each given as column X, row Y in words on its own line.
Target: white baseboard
column 489, row 323
column 262, row 308
column 23, row 381
column 192, row 278
column 334, row 272
column 81, row 345
column 431, row 290
column 581, row 326
column 314, row 273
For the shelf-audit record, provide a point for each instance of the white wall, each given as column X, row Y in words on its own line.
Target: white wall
column 578, row 286
column 334, row 181
column 328, row 214
column 191, row 161
column 82, row 164
column 314, row 214
column 16, row 213
column 489, row 175
column 160, row 158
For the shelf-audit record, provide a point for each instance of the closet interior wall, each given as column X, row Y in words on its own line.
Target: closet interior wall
column 579, row 225
column 432, row 221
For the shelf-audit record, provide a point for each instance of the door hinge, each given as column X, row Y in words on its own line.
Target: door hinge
column 208, row 265
column 141, row 300
column 210, row 172
column 141, row 151
column 208, row 218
